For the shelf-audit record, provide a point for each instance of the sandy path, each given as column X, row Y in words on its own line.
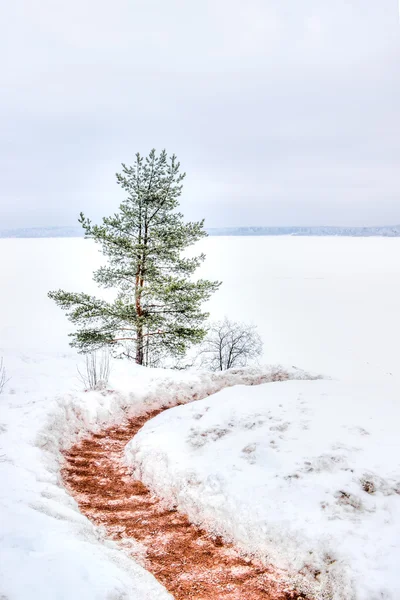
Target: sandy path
column 183, row 557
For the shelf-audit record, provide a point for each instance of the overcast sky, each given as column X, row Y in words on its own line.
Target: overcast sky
column 280, row 111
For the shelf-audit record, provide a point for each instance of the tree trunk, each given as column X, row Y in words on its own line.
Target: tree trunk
column 140, row 349
column 139, row 346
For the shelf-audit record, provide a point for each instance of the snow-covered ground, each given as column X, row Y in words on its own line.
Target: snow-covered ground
column 48, row 550
column 325, row 305
column 305, row 475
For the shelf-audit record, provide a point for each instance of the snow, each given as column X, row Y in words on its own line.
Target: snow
column 328, row 305
column 324, row 304
column 304, row 475
column 47, row 548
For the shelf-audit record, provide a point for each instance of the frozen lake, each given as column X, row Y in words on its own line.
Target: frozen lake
column 323, row 304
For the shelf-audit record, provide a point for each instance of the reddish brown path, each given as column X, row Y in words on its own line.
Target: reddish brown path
column 183, row 557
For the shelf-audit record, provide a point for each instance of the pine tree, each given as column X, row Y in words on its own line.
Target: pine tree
column 157, row 307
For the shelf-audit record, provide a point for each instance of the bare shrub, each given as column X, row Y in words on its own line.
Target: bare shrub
column 3, row 375
column 97, row 370
column 230, row 344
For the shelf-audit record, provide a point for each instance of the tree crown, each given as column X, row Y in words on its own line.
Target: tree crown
column 158, row 304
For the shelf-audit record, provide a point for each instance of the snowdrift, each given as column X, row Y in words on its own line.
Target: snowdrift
column 302, row 474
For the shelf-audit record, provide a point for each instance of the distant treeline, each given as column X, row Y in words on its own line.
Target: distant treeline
column 65, row 232
column 390, row 231
column 42, row 232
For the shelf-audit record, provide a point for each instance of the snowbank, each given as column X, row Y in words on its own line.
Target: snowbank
column 305, row 475
column 48, row 549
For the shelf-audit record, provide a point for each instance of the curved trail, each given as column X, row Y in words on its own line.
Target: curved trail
column 183, row 557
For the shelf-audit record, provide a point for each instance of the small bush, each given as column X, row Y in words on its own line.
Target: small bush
column 96, row 374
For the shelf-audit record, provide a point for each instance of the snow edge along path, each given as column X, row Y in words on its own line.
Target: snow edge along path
column 48, row 548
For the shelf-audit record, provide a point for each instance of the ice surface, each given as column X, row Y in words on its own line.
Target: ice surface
column 323, row 304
